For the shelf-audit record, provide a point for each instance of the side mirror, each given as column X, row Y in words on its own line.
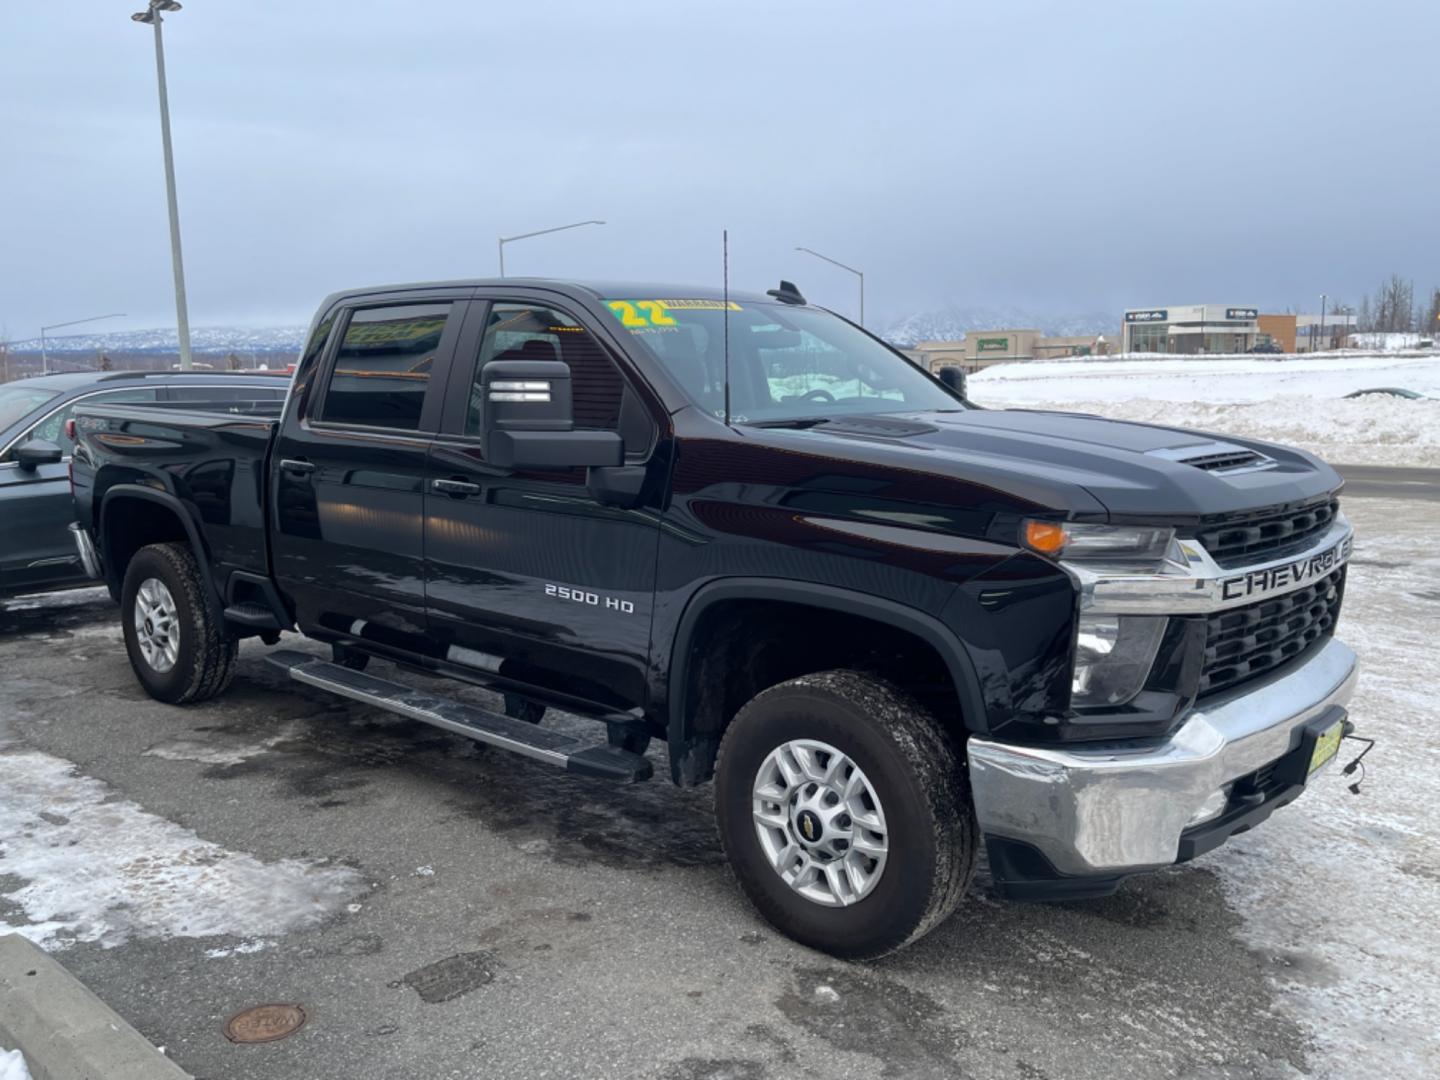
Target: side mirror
column 527, row 420
column 954, row 378
column 31, row 455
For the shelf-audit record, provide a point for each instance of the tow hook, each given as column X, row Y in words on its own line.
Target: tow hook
column 1359, row 762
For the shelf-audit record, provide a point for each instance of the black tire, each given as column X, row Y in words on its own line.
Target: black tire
column 918, row 778
column 205, row 652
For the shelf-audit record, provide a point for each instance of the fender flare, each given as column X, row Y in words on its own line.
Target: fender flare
column 830, row 597
column 187, row 522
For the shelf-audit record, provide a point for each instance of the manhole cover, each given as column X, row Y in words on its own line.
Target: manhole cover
column 264, row 1023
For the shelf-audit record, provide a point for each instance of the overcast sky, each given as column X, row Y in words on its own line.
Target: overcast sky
column 1062, row 156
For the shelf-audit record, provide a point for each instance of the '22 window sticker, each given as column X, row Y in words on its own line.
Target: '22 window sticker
column 641, row 315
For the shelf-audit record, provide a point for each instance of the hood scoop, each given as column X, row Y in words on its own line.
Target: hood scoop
column 1222, row 459
column 882, row 427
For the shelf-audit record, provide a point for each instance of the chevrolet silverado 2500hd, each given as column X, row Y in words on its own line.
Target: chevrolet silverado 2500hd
column 889, row 625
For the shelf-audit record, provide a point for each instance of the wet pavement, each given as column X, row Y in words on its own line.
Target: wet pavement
column 461, row 912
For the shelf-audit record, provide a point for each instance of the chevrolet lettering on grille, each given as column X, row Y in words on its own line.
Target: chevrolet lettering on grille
column 1286, row 575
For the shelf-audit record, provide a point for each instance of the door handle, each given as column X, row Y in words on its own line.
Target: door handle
column 458, row 488
column 296, row 465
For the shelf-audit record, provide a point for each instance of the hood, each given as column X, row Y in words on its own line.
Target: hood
column 1134, row 471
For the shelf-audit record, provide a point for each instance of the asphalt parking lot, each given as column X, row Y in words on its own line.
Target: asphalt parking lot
column 442, row 910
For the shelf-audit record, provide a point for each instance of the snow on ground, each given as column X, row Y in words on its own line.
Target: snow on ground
column 94, row 867
column 1338, row 892
column 1295, row 400
column 12, row 1066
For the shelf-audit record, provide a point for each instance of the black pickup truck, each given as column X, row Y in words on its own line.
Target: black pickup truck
column 885, row 622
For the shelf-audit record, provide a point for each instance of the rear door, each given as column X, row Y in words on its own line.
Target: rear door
column 348, row 470
column 528, row 575
column 36, row 507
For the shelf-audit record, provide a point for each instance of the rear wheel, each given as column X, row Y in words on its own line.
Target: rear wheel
column 180, row 651
column 845, row 813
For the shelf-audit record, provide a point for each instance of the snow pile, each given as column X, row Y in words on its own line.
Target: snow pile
column 101, row 869
column 1297, row 401
column 12, row 1066
column 1389, row 342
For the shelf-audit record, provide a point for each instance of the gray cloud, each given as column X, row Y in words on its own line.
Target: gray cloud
column 1059, row 155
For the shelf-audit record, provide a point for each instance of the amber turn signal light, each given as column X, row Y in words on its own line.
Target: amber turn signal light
column 1045, row 537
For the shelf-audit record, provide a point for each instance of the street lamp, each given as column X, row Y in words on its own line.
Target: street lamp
column 539, row 232
column 857, row 273
column 151, row 16
column 1314, row 347
column 44, row 348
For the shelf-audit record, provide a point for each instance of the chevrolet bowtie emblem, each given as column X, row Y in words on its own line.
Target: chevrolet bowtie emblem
column 809, row 827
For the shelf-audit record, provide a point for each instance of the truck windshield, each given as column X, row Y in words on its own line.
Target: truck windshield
column 18, row 402
column 786, row 362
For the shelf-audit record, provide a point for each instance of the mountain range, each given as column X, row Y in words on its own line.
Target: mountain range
column 953, row 323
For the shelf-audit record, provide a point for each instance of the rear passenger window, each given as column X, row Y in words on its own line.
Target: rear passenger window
column 225, row 395
column 383, row 366
column 532, row 332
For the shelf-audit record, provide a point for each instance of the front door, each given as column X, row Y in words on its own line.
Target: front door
column 528, row 575
column 348, row 473
column 37, row 551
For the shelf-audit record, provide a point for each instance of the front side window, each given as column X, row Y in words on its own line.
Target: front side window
column 785, row 362
column 18, row 402
column 382, row 368
column 535, row 332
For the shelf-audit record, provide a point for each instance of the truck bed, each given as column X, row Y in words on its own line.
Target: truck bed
column 213, row 460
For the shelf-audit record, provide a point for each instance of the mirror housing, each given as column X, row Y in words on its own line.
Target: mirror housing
column 31, row 455
column 954, row 378
column 527, row 419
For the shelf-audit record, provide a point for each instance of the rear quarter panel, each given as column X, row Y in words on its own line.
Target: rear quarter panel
column 213, row 465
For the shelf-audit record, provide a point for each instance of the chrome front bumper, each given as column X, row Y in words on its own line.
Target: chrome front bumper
column 1114, row 808
column 85, row 548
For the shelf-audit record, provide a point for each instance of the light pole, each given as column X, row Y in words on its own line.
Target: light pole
column 44, row 347
column 539, row 232
column 857, row 273
column 151, row 15
column 1322, row 321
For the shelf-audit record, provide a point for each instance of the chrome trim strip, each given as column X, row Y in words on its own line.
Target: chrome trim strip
column 85, row 547
column 1117, row 807
column 1199, row 585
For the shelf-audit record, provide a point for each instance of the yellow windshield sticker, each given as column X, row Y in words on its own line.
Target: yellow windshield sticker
column 645, row 314
column 698, row 305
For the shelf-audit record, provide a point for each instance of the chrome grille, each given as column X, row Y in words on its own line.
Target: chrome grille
column 1245, row 642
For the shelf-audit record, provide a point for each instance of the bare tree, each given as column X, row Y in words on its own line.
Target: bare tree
column 1395, row 305
column 1430, row 327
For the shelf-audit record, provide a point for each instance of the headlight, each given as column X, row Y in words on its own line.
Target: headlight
column 1113, row 656
column 1122, row 544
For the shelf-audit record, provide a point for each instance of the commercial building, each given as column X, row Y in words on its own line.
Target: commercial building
column 1191, row 328
column 981, row 348
column 1316, row 333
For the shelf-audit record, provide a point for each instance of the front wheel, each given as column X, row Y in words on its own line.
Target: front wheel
column 180, row 651
column 845, row 813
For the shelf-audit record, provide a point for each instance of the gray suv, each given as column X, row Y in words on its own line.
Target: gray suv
column 37, row 552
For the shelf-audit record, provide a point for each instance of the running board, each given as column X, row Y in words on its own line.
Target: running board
column 460, row 718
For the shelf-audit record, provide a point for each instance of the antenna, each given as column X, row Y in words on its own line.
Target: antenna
column 725, row 253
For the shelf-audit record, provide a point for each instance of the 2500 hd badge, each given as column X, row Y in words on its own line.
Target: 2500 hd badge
column 1287, row 574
